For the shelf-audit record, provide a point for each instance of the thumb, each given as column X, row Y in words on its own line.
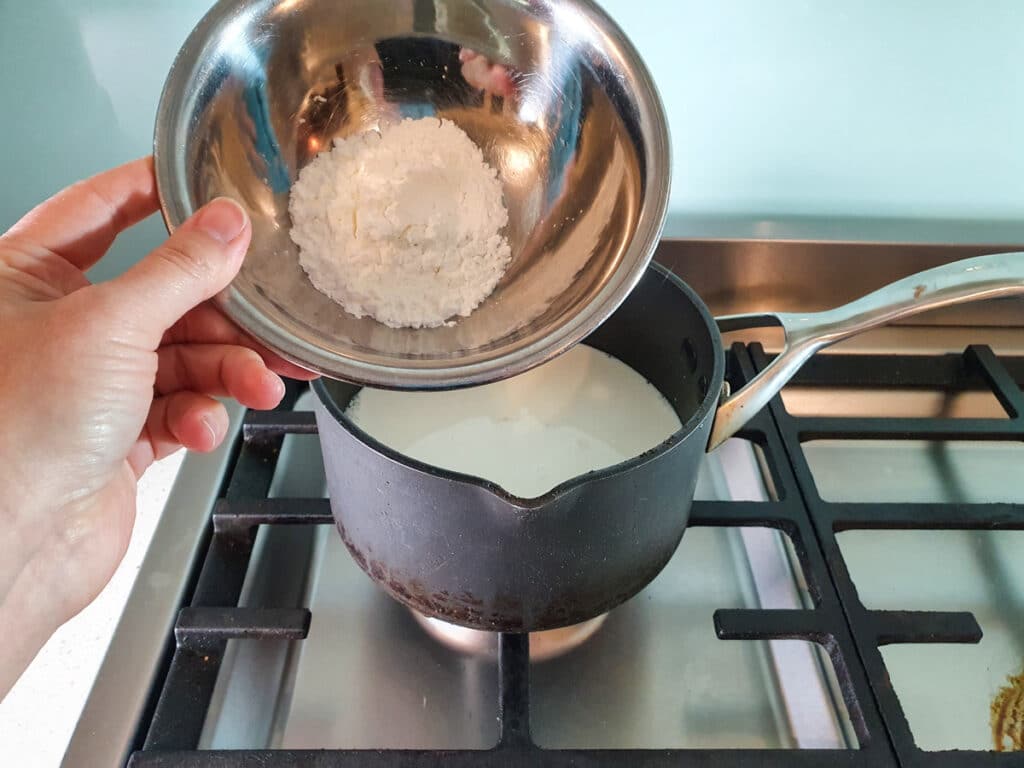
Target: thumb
column 196, row 262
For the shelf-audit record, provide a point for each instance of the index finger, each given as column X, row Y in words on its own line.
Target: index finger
column 80, row 223
column 206, row 325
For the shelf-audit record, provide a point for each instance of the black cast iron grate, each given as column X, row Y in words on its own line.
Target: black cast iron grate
column 837, row 621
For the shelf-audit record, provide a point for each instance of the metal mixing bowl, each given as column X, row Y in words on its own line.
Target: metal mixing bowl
column 580, row 144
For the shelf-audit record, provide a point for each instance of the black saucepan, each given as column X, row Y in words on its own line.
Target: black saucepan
column 464, row 550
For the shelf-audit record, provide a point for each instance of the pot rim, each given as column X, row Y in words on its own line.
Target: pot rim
column 708, row 406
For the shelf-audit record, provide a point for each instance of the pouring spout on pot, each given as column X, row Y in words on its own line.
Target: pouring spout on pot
column 984, row 277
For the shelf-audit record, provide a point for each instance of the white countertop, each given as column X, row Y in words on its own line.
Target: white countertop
column 39, row 714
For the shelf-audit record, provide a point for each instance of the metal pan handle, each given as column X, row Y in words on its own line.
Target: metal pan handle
column 983, row 277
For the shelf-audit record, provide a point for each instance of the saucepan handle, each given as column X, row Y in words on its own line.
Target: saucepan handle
column 984, row 277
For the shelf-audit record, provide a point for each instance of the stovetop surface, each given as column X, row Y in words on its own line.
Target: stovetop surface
column 654, row 675
column 674, row 673
column 849, row 592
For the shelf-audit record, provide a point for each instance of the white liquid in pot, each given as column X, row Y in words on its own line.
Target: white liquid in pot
column 582, row 411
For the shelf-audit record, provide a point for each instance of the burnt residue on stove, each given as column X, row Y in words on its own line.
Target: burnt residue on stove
column 1007, row 716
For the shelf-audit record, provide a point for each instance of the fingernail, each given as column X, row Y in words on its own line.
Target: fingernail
column 211, row 429
column 279, row 388
column 222, row 219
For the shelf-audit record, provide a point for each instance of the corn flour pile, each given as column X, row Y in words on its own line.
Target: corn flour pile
column 403, row 225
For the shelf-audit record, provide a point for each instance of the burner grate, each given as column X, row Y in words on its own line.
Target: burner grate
column 837, row 621
column 872, row 629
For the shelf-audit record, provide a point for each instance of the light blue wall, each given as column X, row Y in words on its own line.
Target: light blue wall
column 79, row 85
column 905, row 108
column 779, row 109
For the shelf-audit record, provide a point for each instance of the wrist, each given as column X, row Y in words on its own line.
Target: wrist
column 28, row 606
column 23, row 520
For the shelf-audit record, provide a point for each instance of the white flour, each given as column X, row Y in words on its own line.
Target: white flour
column 404, row 225
column 582, row 411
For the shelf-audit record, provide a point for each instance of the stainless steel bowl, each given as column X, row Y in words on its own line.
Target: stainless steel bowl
column 580, row 143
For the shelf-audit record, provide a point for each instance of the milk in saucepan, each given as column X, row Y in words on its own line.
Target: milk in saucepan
column 582, row 411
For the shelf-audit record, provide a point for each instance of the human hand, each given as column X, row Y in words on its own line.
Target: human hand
column 479, row 72
column 98, row 381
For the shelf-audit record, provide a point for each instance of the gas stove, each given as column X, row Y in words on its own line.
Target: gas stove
column 850, row 590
